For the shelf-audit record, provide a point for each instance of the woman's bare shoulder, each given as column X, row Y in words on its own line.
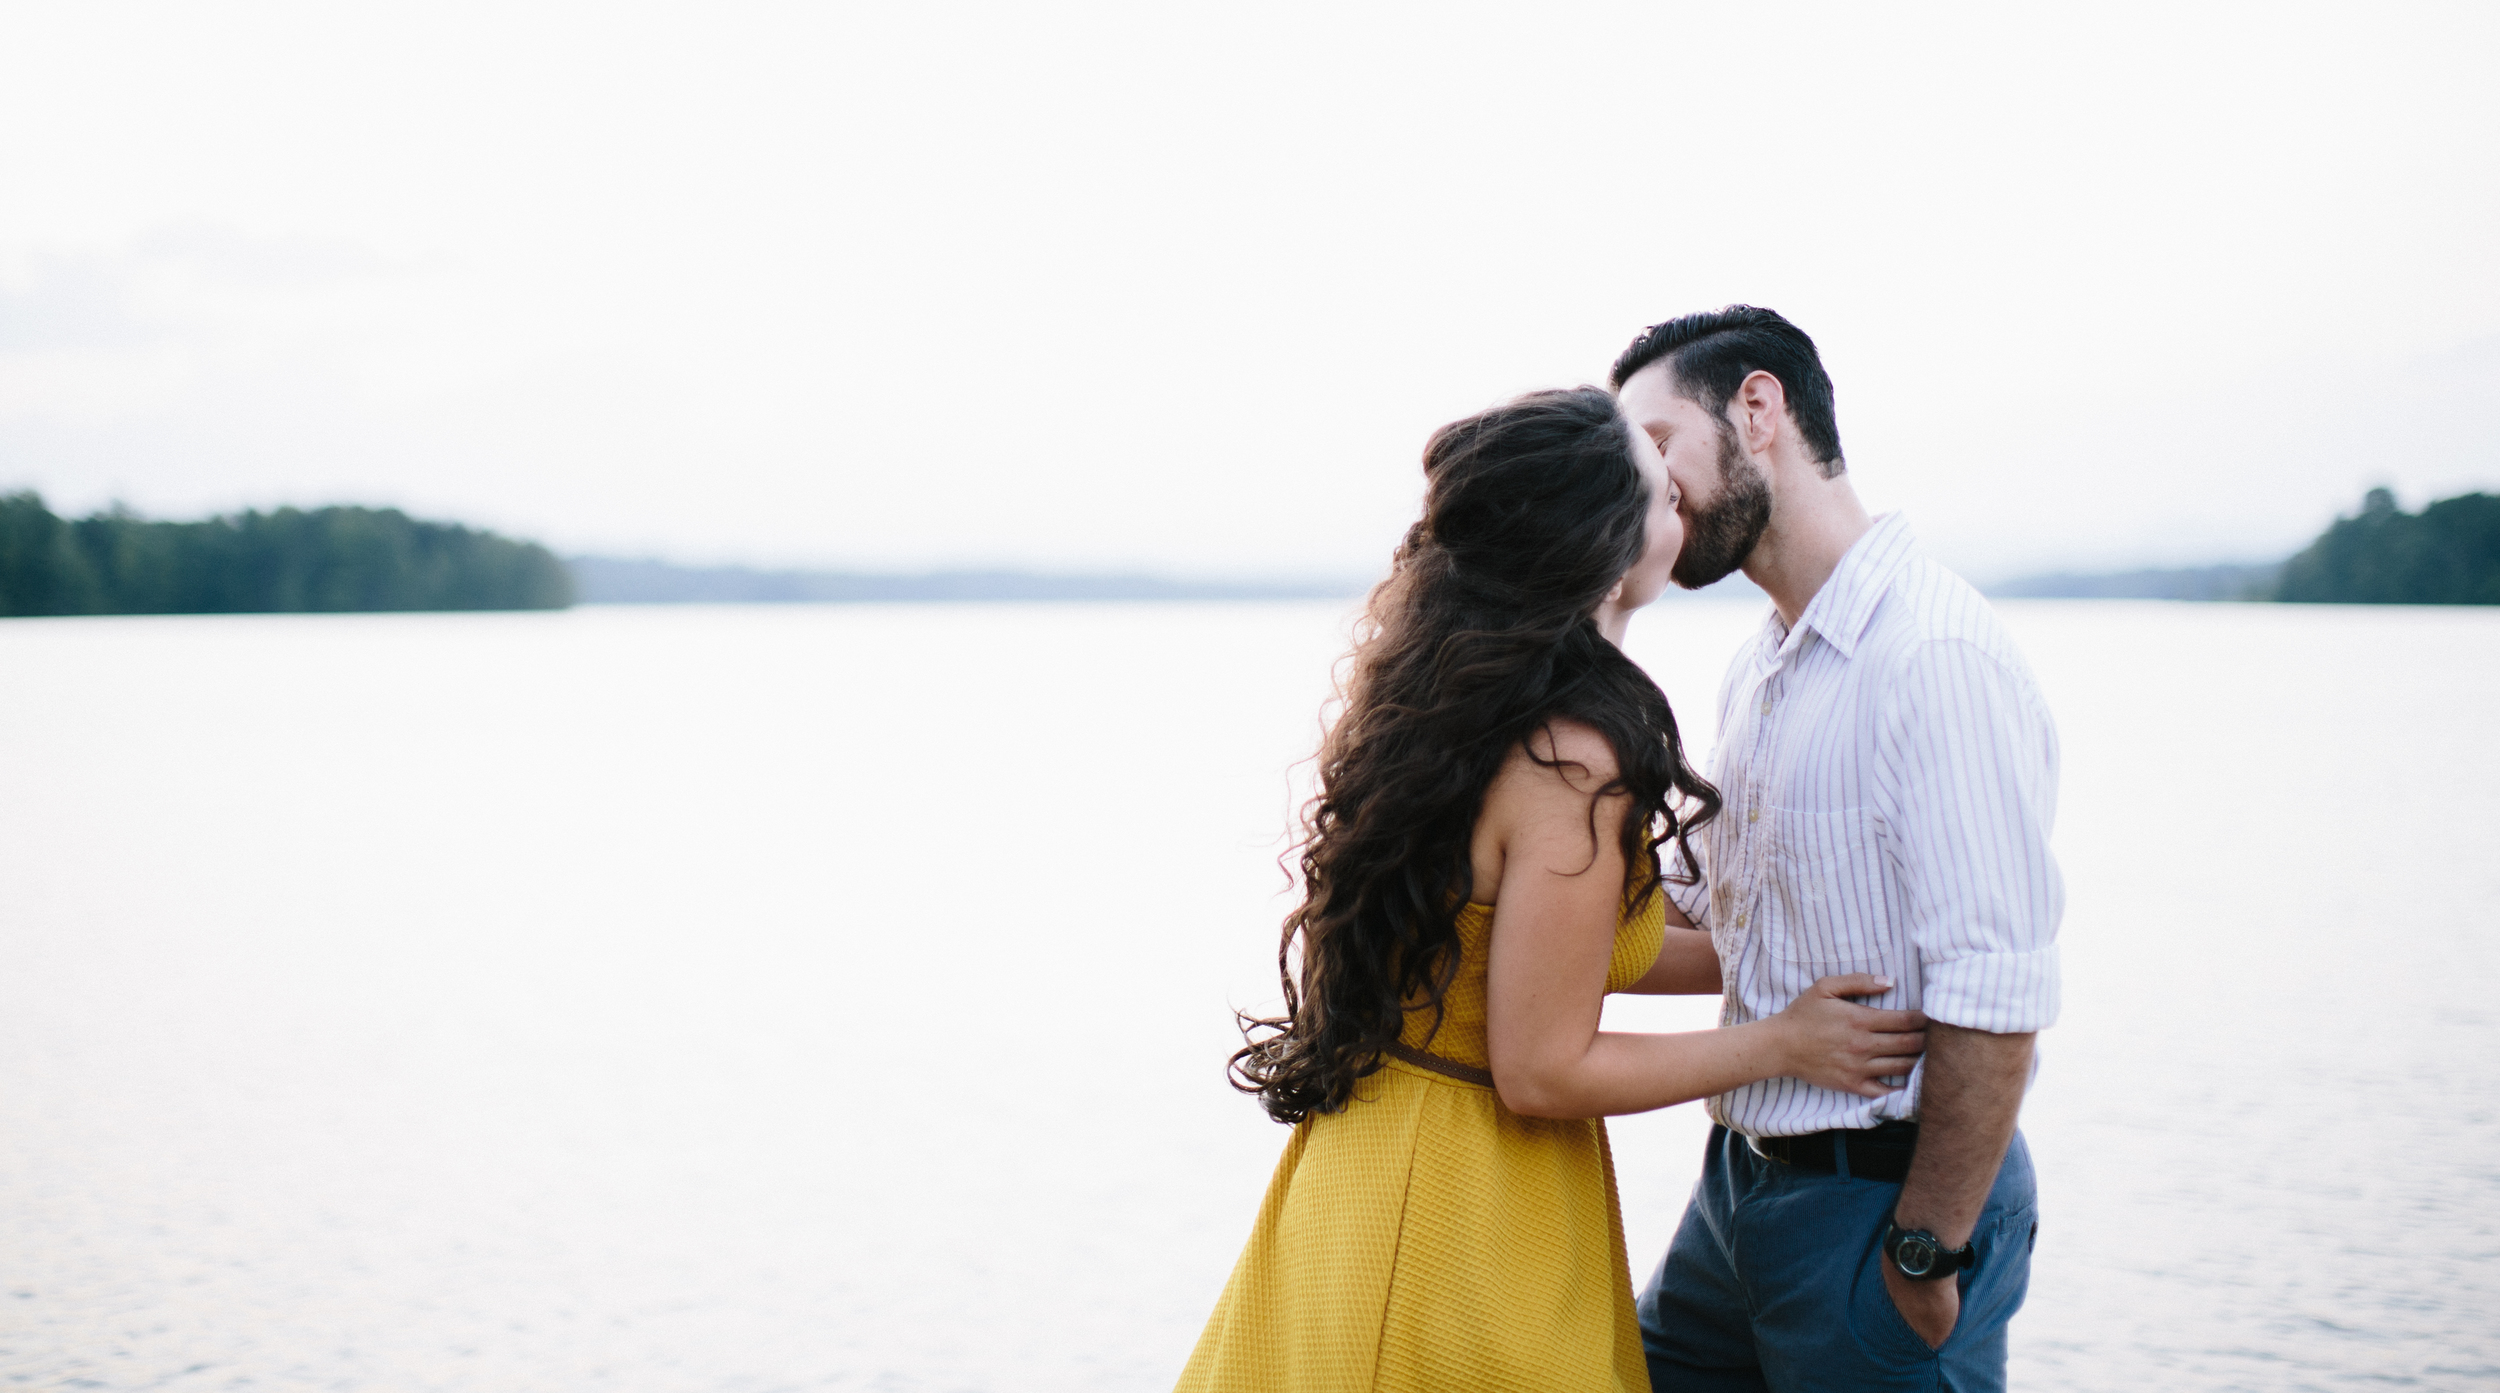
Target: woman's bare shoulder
column 1561, row 756
column 1542, row 801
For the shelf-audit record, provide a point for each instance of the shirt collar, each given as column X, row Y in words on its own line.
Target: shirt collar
column 1841, row 610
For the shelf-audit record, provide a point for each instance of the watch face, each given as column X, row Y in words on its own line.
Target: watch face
column 1915, row 1256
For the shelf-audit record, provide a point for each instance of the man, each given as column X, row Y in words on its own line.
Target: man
column 1891, row 776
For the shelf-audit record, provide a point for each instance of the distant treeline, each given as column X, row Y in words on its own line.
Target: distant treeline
column 2447, row 554
column 326, row 559
column 361, row 559
column 605, row 580
column 2184, row 583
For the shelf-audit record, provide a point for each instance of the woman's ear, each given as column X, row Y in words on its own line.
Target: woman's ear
column 1615, row 596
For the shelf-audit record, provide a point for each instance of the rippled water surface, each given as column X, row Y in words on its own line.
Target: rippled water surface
column 835, row 997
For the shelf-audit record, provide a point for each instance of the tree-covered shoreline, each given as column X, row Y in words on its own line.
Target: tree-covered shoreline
column 290, row 560
column 2446, row 554
column 348, row 560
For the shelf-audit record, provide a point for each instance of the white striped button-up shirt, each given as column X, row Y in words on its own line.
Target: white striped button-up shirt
column 1891, row 777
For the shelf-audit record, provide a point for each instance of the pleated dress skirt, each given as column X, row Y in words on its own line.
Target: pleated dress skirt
column 1428, row 1239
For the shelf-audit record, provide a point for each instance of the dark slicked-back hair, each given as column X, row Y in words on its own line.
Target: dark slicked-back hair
column 1711, row 353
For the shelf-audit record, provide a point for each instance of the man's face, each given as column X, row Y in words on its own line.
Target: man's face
column 1727, row 497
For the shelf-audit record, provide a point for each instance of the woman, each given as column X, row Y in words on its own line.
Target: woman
column 1481, row 866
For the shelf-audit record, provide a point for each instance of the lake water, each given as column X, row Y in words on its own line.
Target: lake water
column 836, row 998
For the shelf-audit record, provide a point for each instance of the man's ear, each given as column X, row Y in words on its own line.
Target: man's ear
column 1760, row 411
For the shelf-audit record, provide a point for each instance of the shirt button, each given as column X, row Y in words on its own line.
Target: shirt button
column 1766, row 706
column 1740, row 921
column 1753, row 814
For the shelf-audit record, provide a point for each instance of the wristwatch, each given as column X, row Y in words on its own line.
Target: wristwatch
column 1921, row 1256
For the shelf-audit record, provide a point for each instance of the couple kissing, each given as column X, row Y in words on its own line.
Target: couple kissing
column 1507, row 827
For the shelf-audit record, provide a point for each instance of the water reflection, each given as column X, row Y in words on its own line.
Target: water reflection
column 836, row 997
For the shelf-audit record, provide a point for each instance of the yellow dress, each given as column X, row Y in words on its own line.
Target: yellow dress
column 1427, row 1238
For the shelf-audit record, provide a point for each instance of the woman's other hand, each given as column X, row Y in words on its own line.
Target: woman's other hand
column 1834, row 1043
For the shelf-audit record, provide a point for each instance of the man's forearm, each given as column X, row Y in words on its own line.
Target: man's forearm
column 1969, row 1094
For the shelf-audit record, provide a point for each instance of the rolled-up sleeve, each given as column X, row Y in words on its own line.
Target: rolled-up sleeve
column 1970, row 766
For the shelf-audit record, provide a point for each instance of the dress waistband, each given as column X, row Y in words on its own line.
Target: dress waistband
column 1447, row 1068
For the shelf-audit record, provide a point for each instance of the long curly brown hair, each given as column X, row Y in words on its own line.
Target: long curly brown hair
column 1483, row 633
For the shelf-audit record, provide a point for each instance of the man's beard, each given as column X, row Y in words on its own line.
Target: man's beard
column 1719, row 537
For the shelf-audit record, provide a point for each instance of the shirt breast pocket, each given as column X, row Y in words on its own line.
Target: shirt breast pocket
column 1827, row 881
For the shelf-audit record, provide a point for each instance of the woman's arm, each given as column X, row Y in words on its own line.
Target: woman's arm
column 1688, row 963
column 1560, row 891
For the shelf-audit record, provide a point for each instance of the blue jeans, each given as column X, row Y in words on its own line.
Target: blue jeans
column 1774, row 1282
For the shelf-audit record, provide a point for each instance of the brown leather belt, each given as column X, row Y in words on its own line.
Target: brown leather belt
column 1881, row 1152
column 1447, row 1068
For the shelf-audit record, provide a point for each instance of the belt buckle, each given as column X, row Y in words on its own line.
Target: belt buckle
column 1754, row 1143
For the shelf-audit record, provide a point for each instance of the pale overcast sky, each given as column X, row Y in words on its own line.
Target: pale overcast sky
column 1183, row 288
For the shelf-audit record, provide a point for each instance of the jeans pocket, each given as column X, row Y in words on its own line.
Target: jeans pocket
column 1878, row 1323
column 1994, row 1290
column 2009, row 1237
column 1901, row 1323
